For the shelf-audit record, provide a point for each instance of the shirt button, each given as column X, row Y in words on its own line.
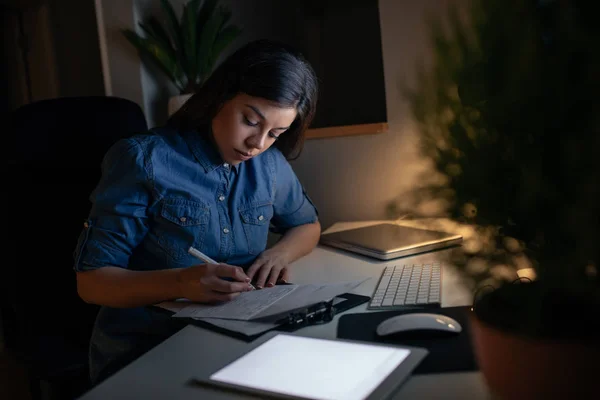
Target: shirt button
column 225, row 230
column 221, row 198
column 226, row 165
column 261, row 218
column 183, row 219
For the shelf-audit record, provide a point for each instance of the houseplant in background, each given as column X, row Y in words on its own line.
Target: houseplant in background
column 509, row 115
column 186, row 50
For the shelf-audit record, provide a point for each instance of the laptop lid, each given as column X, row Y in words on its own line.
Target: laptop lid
column 387, row 241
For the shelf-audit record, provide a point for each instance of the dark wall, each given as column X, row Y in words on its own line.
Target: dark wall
column 77, row 50
column 49, row 49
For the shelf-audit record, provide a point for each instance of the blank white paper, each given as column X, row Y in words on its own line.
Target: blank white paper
column 313, row 368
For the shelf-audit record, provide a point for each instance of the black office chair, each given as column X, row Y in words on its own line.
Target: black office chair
column 53, row 164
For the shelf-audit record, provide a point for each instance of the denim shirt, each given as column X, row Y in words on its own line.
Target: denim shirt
column 162, row 192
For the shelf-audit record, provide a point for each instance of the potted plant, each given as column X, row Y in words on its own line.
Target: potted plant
column 509, row 115
column 186, row 50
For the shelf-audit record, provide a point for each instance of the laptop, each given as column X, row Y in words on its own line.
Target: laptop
column 388, row 241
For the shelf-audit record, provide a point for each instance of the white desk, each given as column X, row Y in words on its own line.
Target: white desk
column 166, row 370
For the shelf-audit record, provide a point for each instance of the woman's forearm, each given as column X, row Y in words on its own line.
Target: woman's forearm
column 299, row 241
column 122, row 288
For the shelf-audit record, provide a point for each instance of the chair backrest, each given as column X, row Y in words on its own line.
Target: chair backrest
column 54, row 155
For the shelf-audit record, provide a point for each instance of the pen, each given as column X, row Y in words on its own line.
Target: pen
column 201, row 256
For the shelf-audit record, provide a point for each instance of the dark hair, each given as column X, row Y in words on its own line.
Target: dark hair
column 263, row 68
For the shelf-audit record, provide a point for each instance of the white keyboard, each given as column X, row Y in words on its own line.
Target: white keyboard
column 401, row 286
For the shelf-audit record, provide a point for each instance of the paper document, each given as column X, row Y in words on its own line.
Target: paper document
column 244, row 307
column 248, row 328
column 267, row 302
column 174, row 305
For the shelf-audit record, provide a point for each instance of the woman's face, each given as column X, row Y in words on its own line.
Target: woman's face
column 245, row 126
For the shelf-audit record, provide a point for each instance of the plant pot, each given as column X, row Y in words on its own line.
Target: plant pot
column 516, row 365
column 175, row 102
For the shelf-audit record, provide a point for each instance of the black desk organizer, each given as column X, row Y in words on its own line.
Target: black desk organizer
column 446, row 353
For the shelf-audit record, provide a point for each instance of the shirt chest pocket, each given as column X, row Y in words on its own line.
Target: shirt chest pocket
column 182, row 223
column 255, row 220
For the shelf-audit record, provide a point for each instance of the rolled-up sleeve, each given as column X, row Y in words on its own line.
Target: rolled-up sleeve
column 292, row 206
column 118, row 218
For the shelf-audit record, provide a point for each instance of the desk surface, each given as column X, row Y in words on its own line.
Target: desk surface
column 166, row 370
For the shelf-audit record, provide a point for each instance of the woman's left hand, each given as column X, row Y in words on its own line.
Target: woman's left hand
column 269, row 268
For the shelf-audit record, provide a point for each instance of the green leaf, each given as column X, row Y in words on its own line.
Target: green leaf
column 186, row 50
column 162, row 58
column 188, row 33
column 225, row 38
column 153, row 28
column 172, row 23
column 226, row 17
column 210, row 32
column 472, row 87
column 204, row 15
column 175, row 31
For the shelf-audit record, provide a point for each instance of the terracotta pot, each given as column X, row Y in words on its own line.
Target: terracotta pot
column 516, row 367
column 175, row 102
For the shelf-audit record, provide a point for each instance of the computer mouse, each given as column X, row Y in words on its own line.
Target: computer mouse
column 428, row 324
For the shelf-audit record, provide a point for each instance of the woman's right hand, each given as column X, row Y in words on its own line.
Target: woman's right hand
column 204, row 283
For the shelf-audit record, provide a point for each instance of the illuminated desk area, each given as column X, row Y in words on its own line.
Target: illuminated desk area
column 166, row 370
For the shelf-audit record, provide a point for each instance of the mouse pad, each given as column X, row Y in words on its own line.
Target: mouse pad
column 446, row 353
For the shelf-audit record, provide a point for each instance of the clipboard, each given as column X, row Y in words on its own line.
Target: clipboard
column 319, row 313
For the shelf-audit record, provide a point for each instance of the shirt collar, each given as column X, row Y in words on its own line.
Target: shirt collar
column 205, row 151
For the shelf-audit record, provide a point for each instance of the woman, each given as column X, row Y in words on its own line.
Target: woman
column 216, row 178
